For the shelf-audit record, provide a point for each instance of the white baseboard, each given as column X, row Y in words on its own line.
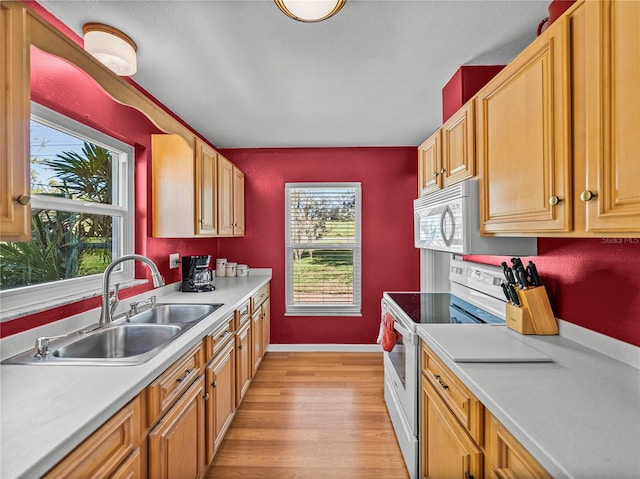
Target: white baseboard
column 324, row 348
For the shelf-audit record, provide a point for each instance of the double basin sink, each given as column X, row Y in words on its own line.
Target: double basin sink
column 131, row 340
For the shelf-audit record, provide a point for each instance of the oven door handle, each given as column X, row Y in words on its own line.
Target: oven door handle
column 407, row 336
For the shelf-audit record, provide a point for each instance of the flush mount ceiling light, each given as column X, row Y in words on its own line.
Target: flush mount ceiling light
column 111, row 47
column 310, row 10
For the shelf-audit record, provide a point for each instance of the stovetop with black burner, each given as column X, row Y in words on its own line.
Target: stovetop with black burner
column 444, row 308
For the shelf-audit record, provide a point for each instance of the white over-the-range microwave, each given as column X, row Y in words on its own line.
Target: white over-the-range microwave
column 449, row 220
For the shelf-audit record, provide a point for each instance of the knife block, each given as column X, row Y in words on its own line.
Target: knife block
column 534, row 316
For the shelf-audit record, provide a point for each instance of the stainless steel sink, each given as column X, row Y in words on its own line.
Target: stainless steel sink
column 174, row 313
column 118, row 342
column 131, row 340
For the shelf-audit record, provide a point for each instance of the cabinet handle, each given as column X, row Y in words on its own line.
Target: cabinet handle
column 443, row 171
column 436, row 174
column 206, row 396
column 239, row 346
column 442, row 385
column 214, row 384
column 467, row 475
column 184, row 376
column 554, row 200
column 24, row 200
column 586, row 195
column 223, row 334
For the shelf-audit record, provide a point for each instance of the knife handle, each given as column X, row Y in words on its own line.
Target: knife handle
column 533, row 274
column 522, row 278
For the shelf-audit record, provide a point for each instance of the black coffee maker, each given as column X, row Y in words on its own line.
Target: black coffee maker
column 196, row 276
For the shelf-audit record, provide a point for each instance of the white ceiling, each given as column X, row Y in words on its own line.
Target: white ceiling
column 244, row 75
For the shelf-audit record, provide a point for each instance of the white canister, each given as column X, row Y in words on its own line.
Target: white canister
column 230, row 269
column 221, row 264
column 242, row 270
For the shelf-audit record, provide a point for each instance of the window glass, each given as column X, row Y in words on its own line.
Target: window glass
column 323, row 248
column 81, row 198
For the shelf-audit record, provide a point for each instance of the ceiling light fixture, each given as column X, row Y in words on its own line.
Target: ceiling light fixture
column 111, row 47
column 310, row 10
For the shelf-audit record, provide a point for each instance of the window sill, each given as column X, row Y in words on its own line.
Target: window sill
column 38, row 306
column 325, row 313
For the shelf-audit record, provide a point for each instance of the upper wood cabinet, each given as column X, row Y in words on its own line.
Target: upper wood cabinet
column 230, row 199
column 448, row 156
column 607, row 74
column 206, row 189
column 523, row 140
column 15, row 209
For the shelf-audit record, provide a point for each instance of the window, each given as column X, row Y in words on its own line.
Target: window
column 323, row 249
column 82, row 196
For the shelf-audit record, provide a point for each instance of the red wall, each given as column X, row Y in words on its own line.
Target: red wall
column 389, row 259
column 594, row 283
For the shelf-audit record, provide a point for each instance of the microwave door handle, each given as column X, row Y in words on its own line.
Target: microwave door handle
column 447, row 212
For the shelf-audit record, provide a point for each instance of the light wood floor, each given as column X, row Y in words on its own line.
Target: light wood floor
column 312, row 416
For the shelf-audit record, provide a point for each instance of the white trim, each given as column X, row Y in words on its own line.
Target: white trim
column 324, row 348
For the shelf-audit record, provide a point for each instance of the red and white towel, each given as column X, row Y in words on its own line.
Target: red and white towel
column 388, row 336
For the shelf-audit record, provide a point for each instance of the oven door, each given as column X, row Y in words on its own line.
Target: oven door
column 401, row 389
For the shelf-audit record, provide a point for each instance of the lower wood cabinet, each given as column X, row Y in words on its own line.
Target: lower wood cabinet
column 243, row 361
column 177, row 442
column 221, row 397
column 256, row 341
column 266, row 324
column 111, row 451
column 459, row 438
column 447, row 450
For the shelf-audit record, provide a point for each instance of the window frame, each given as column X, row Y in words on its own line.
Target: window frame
column 30, row 299
column 354, row 309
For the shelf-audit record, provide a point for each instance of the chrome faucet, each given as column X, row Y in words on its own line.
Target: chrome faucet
column 109, row 303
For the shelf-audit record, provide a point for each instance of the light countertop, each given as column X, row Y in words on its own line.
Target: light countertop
column 578, row 415
column 46, row 411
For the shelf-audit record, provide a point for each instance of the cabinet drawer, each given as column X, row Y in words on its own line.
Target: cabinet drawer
column 258, row 298
column 110, row 449
column 243, row 313
column 215, row 341
column 170, row 385
column 463, row 404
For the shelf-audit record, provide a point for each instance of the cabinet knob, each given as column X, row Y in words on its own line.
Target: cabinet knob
column 443, row 171
column 24, row 200
column 436, row 174
column 554, row 200
column 214, row 384
column 206, row 396
column 586, row 195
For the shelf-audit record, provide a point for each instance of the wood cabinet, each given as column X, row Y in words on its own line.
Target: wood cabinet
column 206, row 189
column 505, row 458
column 447, row 450
column 523, row 140
column 177, row 442
column 448, row 156
column 15, row 209
column 243, row 360
column 606, row 39
column 459, row 437
column 266, row 324
column 230, row 199
column 111, row 451
column 221, row 397
column 256, row 341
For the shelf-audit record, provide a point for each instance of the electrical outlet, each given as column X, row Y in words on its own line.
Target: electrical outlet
column 174, row 260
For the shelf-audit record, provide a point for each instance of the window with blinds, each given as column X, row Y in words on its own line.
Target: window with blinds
column 323, row 248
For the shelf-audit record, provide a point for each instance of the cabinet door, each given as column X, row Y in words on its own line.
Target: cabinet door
column 243, row 361
column 446, row 449
column 523, row 140
column 612, row 117
column 238, row 202
column 266, row 324
column 505, row 457
column 429, row 164
column 176, row 444
column 256, row 341
column 225, row 196
column 172, row 187
column 111, row 451
column 15, row 210
column 206, row 190
column 221, row 401
column 458, row 146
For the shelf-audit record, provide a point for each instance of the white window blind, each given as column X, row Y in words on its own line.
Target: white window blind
column 323, row 245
